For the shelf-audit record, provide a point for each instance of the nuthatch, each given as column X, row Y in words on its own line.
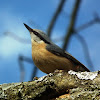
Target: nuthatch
column 48, row 57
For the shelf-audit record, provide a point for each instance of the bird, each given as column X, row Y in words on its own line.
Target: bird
column 49, row 57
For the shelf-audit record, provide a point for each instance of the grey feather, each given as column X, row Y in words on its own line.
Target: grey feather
column 60, row 52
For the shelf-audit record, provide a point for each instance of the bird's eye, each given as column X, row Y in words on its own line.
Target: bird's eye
column 36, row 33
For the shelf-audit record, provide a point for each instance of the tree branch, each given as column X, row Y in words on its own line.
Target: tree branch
column 72, row 24
column 17, row 38
column 86, row 50
column 59, row 85
column 53, row 20
column 88, row 24
column 26, row 59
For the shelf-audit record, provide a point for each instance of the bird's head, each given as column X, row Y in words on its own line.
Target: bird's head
column 38, row 36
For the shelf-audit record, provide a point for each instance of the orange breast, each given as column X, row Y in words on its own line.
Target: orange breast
column 48, row 62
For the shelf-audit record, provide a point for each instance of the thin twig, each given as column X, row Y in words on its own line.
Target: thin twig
column 35, row 69
column 88, row 24
column 54, row 18
column 20, row 60
column 72, row 24
column 36, row 25
column 17, row 38
column 86, row 50
column 22, row 71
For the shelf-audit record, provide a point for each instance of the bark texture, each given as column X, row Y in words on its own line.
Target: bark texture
column 59, row 85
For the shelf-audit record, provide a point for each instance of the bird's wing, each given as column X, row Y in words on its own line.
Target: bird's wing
column 59, row 52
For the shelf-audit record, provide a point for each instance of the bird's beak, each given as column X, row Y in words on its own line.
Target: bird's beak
column 30, row 29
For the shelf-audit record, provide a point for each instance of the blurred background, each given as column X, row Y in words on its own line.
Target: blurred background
column 74, row 25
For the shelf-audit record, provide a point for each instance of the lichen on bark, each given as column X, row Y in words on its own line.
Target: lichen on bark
column 59, row 85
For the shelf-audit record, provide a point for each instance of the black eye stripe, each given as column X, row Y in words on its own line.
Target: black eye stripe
column 37, row 34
